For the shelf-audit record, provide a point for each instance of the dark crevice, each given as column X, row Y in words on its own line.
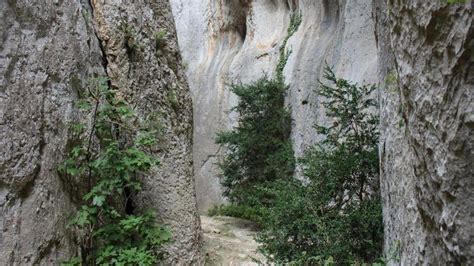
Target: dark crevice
column 241, row 21
column 27, row 189
column 243, row 30
column 129, row 206
column 101, row 46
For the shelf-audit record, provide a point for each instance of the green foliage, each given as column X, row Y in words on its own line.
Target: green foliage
column 295, row 21
column 240, row 211
column 334, row 215
column 171, row 96
column 109, row 158
column 336, row 212
column 457, row 1
column 160, row 39
column 258, row 149
column 130, row 36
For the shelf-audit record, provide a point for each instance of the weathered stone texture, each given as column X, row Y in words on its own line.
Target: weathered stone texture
column 427, row 123
column 149, row 74
column 48, row 52
column 238, row 41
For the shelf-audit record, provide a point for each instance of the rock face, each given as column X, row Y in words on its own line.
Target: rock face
column 427, row 122
column 48, row 52
column 238, row 41
column 147, row 68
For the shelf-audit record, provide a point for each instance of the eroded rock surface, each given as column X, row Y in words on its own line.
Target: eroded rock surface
column 147, row 70
column 49, row 50
column 427, row 126
column 239, row 41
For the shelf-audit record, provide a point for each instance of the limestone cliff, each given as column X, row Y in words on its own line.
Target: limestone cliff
column 420, row 54
column 48, row 52
column 426, row 147
column 239, row 41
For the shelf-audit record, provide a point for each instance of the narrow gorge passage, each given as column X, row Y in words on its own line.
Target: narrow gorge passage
column 343, row 128
column 229, row 241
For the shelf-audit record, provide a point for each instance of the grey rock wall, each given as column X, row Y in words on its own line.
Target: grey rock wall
column 426, row 148
column 238, row 41
column 49, row 50
column 150, row 76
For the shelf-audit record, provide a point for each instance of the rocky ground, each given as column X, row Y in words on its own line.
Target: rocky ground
column 229, row 241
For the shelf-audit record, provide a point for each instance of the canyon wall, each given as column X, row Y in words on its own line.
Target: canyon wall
column 49, row 51
column 426, row 147
column 420, row 54
column 238, row 41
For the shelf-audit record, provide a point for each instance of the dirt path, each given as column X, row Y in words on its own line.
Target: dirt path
column 229, row 241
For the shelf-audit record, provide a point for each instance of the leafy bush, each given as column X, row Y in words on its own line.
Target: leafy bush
column 258, row 149
column 334, row 215
column 241, row 211
column 130, row 38
column 337, row 211
column 109, row 158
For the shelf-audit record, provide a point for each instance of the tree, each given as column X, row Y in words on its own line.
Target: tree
column 258, row 150
column 337, row 212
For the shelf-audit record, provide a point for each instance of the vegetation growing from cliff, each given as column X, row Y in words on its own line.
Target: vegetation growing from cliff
column 109, row 158
column 336, row 213
column 295, row 22
column 258, row 150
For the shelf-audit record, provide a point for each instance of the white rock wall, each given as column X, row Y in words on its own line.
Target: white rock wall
column 238, row 41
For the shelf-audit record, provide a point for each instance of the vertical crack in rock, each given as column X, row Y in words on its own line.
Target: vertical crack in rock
column 101, row 46
column 149, row 76
column 49, row 50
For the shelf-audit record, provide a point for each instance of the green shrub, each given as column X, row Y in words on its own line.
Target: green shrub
column 160, row 39
column 334, row 215
column 258, row 149
column 130, row 38
column 336, row 212
column 240, row 211
column 109, row 158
